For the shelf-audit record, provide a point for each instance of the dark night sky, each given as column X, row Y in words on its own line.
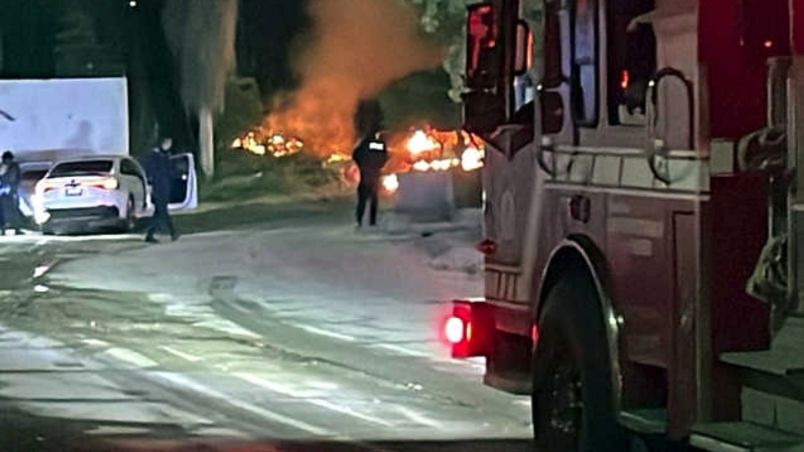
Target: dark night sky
column 266, row 33
column 266, row 30
column 133, row 37
column 131, row 42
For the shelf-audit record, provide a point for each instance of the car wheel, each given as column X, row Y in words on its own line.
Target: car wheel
column 572, row 405
column 131, row 220
column 54, row 230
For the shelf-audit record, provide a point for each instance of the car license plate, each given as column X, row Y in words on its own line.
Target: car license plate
column 73, row 191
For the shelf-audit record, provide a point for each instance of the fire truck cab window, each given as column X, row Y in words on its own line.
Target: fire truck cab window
column 584, row 62
column 482, row 46
column 632, row 59
column 553, row 74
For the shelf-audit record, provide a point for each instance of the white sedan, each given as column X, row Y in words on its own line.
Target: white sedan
column 91, row 193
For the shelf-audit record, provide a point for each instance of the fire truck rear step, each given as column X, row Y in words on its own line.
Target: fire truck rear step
column 786, row 356
column 743, row 437
column 772, row 393
column 648, row 421
column 774, row 377
column 771, row 410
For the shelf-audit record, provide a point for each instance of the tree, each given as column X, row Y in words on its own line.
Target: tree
column 201, row 36
column 445, row 20
column 420, row 98
column 242, row 111
column 76, row 28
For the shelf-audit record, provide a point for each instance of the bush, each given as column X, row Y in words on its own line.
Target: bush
column 241, row 113
column 242, row 176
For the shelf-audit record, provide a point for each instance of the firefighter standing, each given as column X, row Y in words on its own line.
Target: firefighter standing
column 9, row 200
column 158, row 168
column 370, row 156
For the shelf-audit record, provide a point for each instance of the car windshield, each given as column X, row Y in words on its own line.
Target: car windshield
column 82, row 168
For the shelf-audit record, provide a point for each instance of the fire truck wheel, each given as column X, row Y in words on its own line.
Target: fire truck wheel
column 572, row 386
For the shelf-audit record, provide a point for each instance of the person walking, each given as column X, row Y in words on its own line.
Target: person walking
column 158, row 169
column 9, row 199
column 371, row 155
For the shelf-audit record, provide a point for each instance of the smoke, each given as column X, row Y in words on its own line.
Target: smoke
column 201, row 37
column 358, row 47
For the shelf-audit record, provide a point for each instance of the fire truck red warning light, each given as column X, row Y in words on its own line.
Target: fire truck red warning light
column 469, row 330
column 625, row 80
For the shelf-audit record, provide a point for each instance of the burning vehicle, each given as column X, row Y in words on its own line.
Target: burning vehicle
column 433, row 172
column 427, row 149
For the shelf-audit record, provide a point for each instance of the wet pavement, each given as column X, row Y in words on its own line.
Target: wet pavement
column 289, row 352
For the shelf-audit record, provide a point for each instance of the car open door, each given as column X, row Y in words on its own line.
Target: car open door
column 31, row 173
column 184, row 186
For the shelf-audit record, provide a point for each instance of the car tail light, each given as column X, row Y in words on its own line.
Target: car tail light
column 109, row 183
column 470, row 329
column 45, row 186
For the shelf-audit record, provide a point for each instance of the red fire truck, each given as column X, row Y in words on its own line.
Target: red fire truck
column 639, row 173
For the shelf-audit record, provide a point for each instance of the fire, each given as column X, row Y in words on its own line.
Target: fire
column 420, row 142
column 337, row 158
column 420, row 150
column 428, row 149
column 275, row 144
column 435, row 165
column 472, row 158
column 390, row 183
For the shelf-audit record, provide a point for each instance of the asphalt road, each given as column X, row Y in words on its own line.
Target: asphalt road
column 288, row 331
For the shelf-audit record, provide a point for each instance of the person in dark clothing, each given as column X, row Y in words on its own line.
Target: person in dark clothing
column 371, row 155
column 158, row 168
column 9, row 199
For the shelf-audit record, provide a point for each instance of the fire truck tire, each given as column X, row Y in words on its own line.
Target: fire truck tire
column 572, row 386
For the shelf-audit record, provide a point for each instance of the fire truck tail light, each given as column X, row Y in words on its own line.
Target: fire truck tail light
column 625, row 79
column 470, row 329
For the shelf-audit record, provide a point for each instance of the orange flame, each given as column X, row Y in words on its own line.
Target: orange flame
column 349, row 61
column 428, row 149
column 273, row 144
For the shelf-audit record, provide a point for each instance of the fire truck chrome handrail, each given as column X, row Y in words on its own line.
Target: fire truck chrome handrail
column 502, row 268
column 523, row 306
column 625, row 152
column 551, row 171
column 664, row 192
